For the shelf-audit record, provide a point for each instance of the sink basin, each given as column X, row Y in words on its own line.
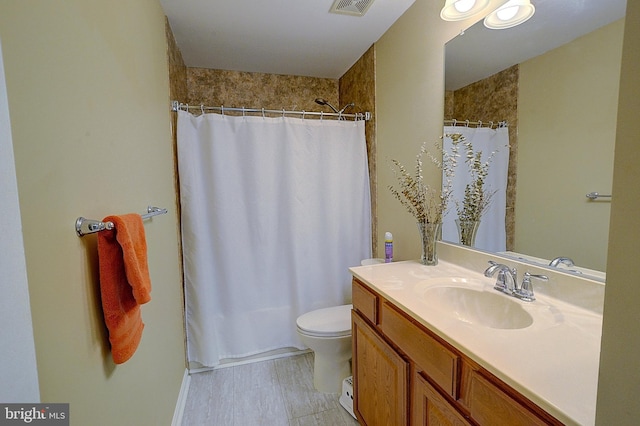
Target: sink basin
column 485, row 308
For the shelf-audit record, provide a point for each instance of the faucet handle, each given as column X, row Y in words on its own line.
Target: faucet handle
column 525, row 292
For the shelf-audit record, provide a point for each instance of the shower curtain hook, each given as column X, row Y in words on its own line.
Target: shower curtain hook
column 479, row 123
column 263, row 113
column 491, row 124
column 321, row 115
column 243, row 112
column 303, row 113
column 202, row 109
column 467, row 123
column 222, row 109
column 282, row 112
column 455, row 122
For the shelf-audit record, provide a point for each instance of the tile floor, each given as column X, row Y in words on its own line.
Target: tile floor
column 265, row 393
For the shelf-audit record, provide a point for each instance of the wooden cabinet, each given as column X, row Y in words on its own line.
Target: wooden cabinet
column 425, row 351
column 381, row 375
column 404, row 374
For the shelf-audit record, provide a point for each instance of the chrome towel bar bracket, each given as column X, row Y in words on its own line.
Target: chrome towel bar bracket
column 89, row 226
column 595, row 196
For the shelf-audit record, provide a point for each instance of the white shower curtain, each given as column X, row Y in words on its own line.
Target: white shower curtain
column 274, row 212
column 491, row 233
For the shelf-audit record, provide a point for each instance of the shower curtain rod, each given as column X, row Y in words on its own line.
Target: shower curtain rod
column 175, row 106
column 467, row 123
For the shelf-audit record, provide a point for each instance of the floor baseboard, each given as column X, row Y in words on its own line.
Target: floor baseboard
column 182, row 399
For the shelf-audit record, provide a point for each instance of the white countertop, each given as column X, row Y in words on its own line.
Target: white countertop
column 554, row 362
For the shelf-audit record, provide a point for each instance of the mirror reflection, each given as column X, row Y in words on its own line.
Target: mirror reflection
column 555, row 80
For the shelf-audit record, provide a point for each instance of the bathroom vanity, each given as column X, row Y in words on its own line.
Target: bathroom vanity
column 438, row 345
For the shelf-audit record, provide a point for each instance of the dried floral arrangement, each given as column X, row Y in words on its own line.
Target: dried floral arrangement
column 476, row 198
column 426, row 203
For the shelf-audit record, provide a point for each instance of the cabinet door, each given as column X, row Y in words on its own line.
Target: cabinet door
column 379, row 378
column 432, row 409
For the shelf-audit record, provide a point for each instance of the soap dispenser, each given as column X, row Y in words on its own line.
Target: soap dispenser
column 388, row 247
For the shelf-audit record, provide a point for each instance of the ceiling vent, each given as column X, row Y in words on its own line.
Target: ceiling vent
column 351, row 7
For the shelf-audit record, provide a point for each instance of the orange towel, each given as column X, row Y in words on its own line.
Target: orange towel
column 124, row 282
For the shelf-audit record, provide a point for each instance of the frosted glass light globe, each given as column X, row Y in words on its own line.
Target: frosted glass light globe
column 507, row 13
column 463, row 6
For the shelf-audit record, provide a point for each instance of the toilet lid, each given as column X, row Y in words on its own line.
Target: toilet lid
column 334, row 321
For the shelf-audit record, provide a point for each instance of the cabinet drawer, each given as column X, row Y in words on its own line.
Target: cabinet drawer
column 437, row 362
column 489, row 405
column 365, row 301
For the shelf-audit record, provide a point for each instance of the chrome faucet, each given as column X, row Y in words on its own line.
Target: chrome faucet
column 525, row 292
column 564, row 260
column 507, row 281
column 507, row 277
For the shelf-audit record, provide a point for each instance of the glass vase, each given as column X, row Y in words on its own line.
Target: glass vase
column 429, row 234
column 467, row 230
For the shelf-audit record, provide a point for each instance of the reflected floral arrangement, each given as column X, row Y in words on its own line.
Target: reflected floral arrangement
column 476, row 198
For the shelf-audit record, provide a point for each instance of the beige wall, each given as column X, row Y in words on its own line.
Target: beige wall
column 620, row 363
column 409, row 104
column 567, row 106
column 88, row 96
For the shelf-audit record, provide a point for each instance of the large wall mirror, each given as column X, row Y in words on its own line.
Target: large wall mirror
column 555, row 79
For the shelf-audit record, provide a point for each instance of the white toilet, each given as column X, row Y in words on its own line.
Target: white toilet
column 327, row 332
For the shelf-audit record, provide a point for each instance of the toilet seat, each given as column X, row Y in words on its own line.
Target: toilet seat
column 326, row 322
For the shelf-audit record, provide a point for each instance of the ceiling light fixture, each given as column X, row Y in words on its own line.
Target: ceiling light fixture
column 457, row 10
column 512, row 13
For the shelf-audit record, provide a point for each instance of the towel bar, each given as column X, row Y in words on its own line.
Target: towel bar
column 89, row 226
